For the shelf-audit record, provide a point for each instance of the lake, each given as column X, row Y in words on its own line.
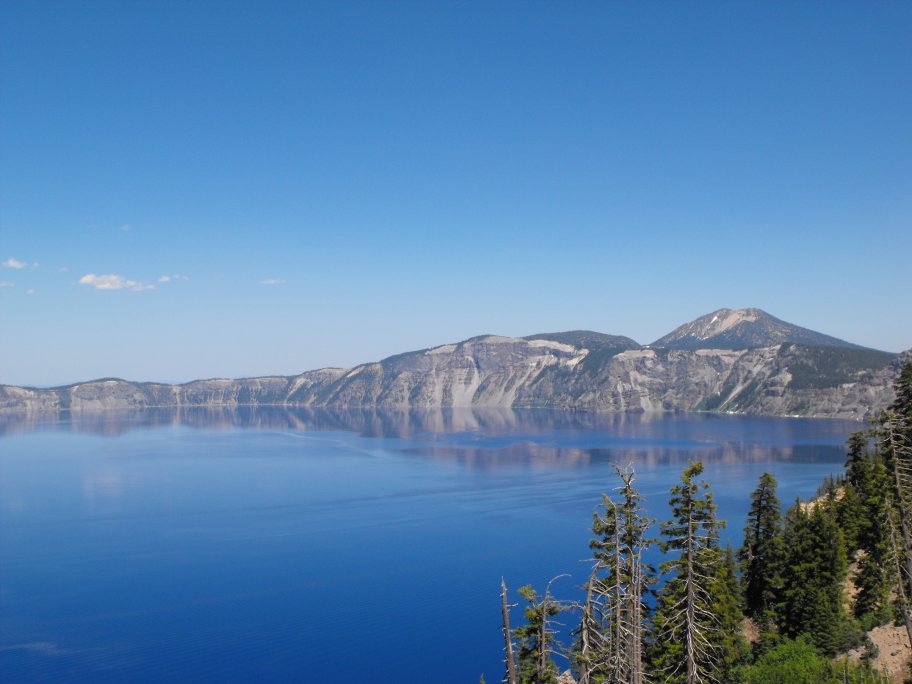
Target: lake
column 329, row 546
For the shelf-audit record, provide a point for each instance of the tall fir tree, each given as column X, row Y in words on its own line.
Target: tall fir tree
column 848, row 506
column 763, row 554
column 872, row 541
column 689, row 638
column 857, row 455
column 734, row 650
column 848, row 511
column 814, row 574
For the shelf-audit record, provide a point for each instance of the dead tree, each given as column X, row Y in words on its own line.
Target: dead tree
column 590, row 637
column 510, row 676
column 900, row 459
column 611, row 632
column 902, row 576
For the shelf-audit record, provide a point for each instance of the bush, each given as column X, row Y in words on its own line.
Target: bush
column 798, row 662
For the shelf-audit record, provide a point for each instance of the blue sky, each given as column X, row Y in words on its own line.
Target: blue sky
column 201, row 189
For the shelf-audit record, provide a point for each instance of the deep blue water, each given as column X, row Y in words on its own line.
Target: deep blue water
column 277, row 545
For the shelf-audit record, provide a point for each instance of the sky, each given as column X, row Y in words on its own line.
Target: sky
column 225, row 189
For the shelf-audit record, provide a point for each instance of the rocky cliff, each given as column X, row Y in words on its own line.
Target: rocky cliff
column 578, row 370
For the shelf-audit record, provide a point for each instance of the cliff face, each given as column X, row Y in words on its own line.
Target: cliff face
column 781, row 379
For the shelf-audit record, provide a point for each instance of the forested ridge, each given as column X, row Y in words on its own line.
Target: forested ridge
column 804, row 588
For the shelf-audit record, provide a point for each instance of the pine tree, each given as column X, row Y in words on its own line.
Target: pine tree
column 734, row 650
column 849, row 516
column 815, row 570
column 611, row 632
column 763, row 552
column 857, row 454
column 688, row 639
column 872, row 540
column 536, row 638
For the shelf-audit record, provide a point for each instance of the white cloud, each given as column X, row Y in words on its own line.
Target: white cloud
column 14, row 263
column 63, row 269
column 113, row 282
column 30, row 291
column 272, row 281
column 173, row 276
column 126, row 227
column 6, row 283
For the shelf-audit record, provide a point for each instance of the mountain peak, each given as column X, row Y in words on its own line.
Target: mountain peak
column 743, row 329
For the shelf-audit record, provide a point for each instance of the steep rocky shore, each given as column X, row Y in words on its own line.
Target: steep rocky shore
column 607, row 374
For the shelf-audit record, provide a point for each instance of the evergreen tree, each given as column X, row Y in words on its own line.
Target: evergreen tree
column 857, row 456
column 848, row 516
column 536, row 638
column 734, row 650
column 873, row 542
column 762, row 555
column 688, row 641
column 611, row 632
column 815, row 570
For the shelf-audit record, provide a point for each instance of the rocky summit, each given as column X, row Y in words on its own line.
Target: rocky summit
column 743, row 329
column 738, row 361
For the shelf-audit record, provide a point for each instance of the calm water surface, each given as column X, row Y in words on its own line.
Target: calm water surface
column 326, row 546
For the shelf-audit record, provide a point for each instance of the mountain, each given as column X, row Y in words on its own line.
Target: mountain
column 743, row 329
column 758, row 365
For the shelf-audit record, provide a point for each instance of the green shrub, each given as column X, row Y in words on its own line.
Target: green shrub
column 798, row 662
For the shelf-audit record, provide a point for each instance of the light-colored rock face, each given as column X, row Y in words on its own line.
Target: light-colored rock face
column 506, row 372
column 488, row 371
column 718, row 322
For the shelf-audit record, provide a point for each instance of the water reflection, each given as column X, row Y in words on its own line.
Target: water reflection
column 497, row 438
column 367, row 422
column 392, row 423
column 547, row 458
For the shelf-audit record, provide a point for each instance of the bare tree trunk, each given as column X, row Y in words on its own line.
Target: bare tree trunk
column 689, row 641
column 904, row 603
column 542, row 636
column 585, row 645
column 637, row 631
column 902, row 472
column 619, row 655
column 508, row 638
